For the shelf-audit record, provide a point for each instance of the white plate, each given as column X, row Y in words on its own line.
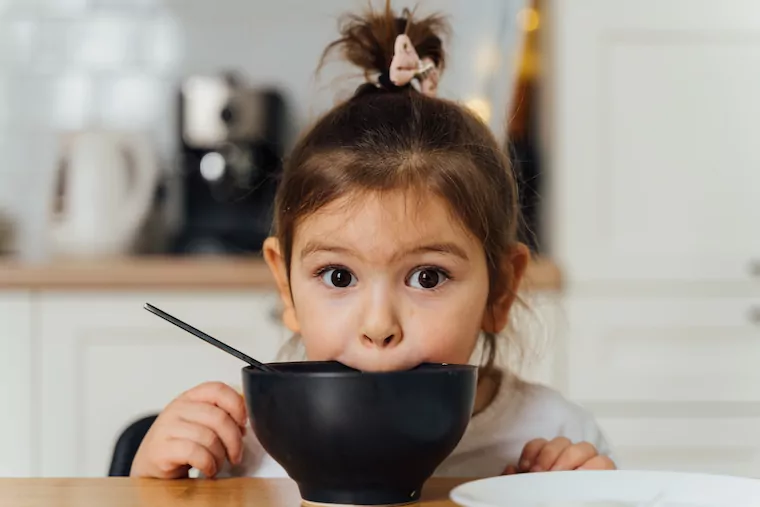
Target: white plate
column 620, row 488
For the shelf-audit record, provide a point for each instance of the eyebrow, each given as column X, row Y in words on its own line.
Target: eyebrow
column 443, row 248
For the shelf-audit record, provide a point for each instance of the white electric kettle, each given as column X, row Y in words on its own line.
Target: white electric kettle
column 105, row 186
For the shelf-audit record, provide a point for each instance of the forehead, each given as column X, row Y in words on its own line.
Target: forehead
column 394, row 217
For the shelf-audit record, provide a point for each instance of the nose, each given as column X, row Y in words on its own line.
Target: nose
column 382, row 343
column 381, row 328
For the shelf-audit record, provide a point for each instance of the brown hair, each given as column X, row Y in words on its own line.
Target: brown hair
column 367, row 41
column 380, row 141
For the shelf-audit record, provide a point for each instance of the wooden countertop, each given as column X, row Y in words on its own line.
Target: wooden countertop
column 125, row 492
column 182, row 273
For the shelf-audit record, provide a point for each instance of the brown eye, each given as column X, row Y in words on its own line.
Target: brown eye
column 339, row 277
column 427, row 278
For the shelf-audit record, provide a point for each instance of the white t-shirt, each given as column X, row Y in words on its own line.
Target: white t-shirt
column 494, row 439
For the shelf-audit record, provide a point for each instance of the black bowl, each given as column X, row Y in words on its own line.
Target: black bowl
column 349, row 437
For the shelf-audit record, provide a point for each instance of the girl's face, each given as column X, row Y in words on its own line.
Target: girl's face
column 385, row 282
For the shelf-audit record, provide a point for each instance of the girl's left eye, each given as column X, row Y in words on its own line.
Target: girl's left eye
column 427, row 278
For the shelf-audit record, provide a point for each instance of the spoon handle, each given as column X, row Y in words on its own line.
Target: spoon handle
column 209, row 339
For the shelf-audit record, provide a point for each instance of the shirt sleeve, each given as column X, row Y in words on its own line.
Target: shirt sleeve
column 552, row 415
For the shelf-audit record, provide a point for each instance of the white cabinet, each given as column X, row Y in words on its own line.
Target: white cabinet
column 654, row 195
column 672, row 380
column 663, row 349
column 104, row 361
column 655, row 170
column 18, row 418
column 715, row 444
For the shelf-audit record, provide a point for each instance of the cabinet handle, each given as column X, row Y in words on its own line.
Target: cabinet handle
column 754, row 315
column 754, row 268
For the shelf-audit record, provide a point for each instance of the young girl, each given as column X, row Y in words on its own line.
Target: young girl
column 395, row 244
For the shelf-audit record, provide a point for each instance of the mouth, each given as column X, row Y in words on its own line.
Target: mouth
column 379, row 363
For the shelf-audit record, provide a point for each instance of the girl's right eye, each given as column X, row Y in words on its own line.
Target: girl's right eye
column 340, row 278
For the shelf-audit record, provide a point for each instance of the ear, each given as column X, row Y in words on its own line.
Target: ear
column 276, row 263
column 514, row 263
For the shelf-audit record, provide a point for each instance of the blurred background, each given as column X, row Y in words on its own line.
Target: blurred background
column 215, row 92
column 138, row 144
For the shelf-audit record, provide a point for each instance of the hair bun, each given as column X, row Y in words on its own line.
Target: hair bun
column 367, row 40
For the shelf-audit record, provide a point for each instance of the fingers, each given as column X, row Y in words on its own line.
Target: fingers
column 510, row 470
column 573, row 457
column 549, row 454
column 561, row 454
column 199, row 429
column 529, row 454
column 218, row 422
column 202, row 436
column 598, row 463
column 179, row 453
column 221, row 395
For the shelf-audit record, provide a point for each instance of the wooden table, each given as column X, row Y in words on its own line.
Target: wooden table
column 125, row 492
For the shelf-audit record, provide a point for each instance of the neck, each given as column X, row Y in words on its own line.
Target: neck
column 488, row 386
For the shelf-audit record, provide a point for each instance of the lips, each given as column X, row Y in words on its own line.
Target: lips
column 381, row 360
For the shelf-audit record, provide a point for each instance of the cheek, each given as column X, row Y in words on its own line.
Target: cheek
column 447, row 347
column 324, row 323
column 448, row 334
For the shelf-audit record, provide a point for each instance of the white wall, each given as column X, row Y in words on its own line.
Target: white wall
column 72, row 64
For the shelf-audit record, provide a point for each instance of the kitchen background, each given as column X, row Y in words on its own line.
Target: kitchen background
column 68, row 65
column 632, row 125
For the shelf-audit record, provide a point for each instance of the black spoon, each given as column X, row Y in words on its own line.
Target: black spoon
column 213, row 341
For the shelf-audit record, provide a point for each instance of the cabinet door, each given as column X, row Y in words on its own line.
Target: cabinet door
column 654, row 349
column 712, row 444
column 656, row 172
column 105, row 361
column 17, row 420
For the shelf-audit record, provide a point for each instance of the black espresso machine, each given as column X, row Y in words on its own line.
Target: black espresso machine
column 231, row 148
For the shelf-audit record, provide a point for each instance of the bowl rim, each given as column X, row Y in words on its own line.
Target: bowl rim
column 438, row 368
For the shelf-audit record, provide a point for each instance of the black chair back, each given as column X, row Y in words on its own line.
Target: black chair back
column 126, row 446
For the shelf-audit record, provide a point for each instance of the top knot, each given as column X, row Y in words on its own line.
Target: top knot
column 393, row 50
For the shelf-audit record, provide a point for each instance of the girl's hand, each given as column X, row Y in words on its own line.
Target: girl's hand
column 200, row 429
column 541, row 455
